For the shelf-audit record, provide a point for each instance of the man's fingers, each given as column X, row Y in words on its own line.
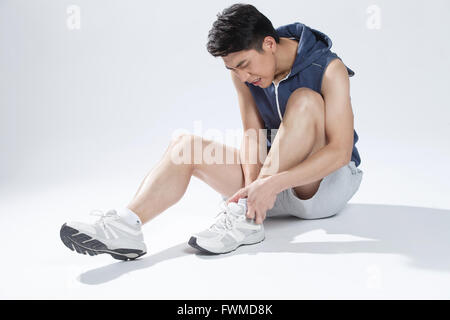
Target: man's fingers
column 240, row 194
column 250, row 213
column 259, row 218
column 233, row 198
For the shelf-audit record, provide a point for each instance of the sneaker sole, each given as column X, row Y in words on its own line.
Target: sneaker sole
column 193, row 243
column 82, row 243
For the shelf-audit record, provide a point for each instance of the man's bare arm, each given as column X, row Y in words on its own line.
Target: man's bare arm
column 251, row 121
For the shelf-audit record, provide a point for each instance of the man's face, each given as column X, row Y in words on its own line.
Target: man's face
column 250, row 65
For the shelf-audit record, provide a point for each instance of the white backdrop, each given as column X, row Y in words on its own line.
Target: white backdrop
column 103, row 100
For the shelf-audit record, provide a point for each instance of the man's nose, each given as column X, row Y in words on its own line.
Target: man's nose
column 244, row 76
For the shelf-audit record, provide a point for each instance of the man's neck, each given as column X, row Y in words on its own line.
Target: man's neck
column 285, row 57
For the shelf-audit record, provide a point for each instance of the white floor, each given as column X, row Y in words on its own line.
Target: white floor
column 368, row 251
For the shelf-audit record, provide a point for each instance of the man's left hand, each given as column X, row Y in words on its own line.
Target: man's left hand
column 261, row 196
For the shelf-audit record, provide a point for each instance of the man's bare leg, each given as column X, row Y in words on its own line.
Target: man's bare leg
column 167, row 182
column 301, row 134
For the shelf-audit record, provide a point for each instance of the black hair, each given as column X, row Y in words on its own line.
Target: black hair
column 239, row 27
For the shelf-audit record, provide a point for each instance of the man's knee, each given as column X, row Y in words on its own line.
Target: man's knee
column 198, row 151
column 186, row 140
column 306, row 102
column 183, row 148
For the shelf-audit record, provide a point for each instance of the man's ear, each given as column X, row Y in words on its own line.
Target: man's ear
column 270, row 43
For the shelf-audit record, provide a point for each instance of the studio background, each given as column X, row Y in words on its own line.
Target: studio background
column 86, row 113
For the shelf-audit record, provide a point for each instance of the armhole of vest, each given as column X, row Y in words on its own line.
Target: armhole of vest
column 323, row 73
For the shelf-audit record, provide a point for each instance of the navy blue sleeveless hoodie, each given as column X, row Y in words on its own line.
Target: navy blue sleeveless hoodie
column 313, row 57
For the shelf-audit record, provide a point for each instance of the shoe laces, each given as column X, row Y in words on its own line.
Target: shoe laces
column 104, row 216
column 227, row 218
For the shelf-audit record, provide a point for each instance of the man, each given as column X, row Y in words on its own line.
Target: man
column 286, row 79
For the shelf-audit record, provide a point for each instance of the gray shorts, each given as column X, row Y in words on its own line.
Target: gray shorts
column 335, row 190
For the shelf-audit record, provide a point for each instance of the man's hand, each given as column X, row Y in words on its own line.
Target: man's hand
column 261, row 195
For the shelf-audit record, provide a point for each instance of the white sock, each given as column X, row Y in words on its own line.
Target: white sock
column 129, row 216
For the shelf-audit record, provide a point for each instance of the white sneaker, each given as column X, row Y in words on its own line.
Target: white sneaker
column 231, row 230
column 110, row 234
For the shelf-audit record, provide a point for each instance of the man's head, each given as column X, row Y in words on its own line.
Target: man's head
column 247, row 42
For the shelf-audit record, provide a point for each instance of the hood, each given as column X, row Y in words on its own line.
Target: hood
column 312, row 44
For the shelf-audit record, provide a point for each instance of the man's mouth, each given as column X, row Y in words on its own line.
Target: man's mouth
column 256, row 81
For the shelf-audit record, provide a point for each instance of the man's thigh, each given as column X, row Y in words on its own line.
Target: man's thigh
column 218, row 166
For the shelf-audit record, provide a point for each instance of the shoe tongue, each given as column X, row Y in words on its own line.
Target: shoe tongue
column 239, row 208
column 243, row 201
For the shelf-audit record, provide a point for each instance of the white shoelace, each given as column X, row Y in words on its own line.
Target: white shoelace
column 103, row 216
column 227, row 219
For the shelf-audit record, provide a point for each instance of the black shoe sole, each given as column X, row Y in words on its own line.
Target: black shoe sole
column 193, row 243
column 82, row 243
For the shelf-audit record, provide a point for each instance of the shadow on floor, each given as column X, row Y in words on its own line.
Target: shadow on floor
column 420, row 234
